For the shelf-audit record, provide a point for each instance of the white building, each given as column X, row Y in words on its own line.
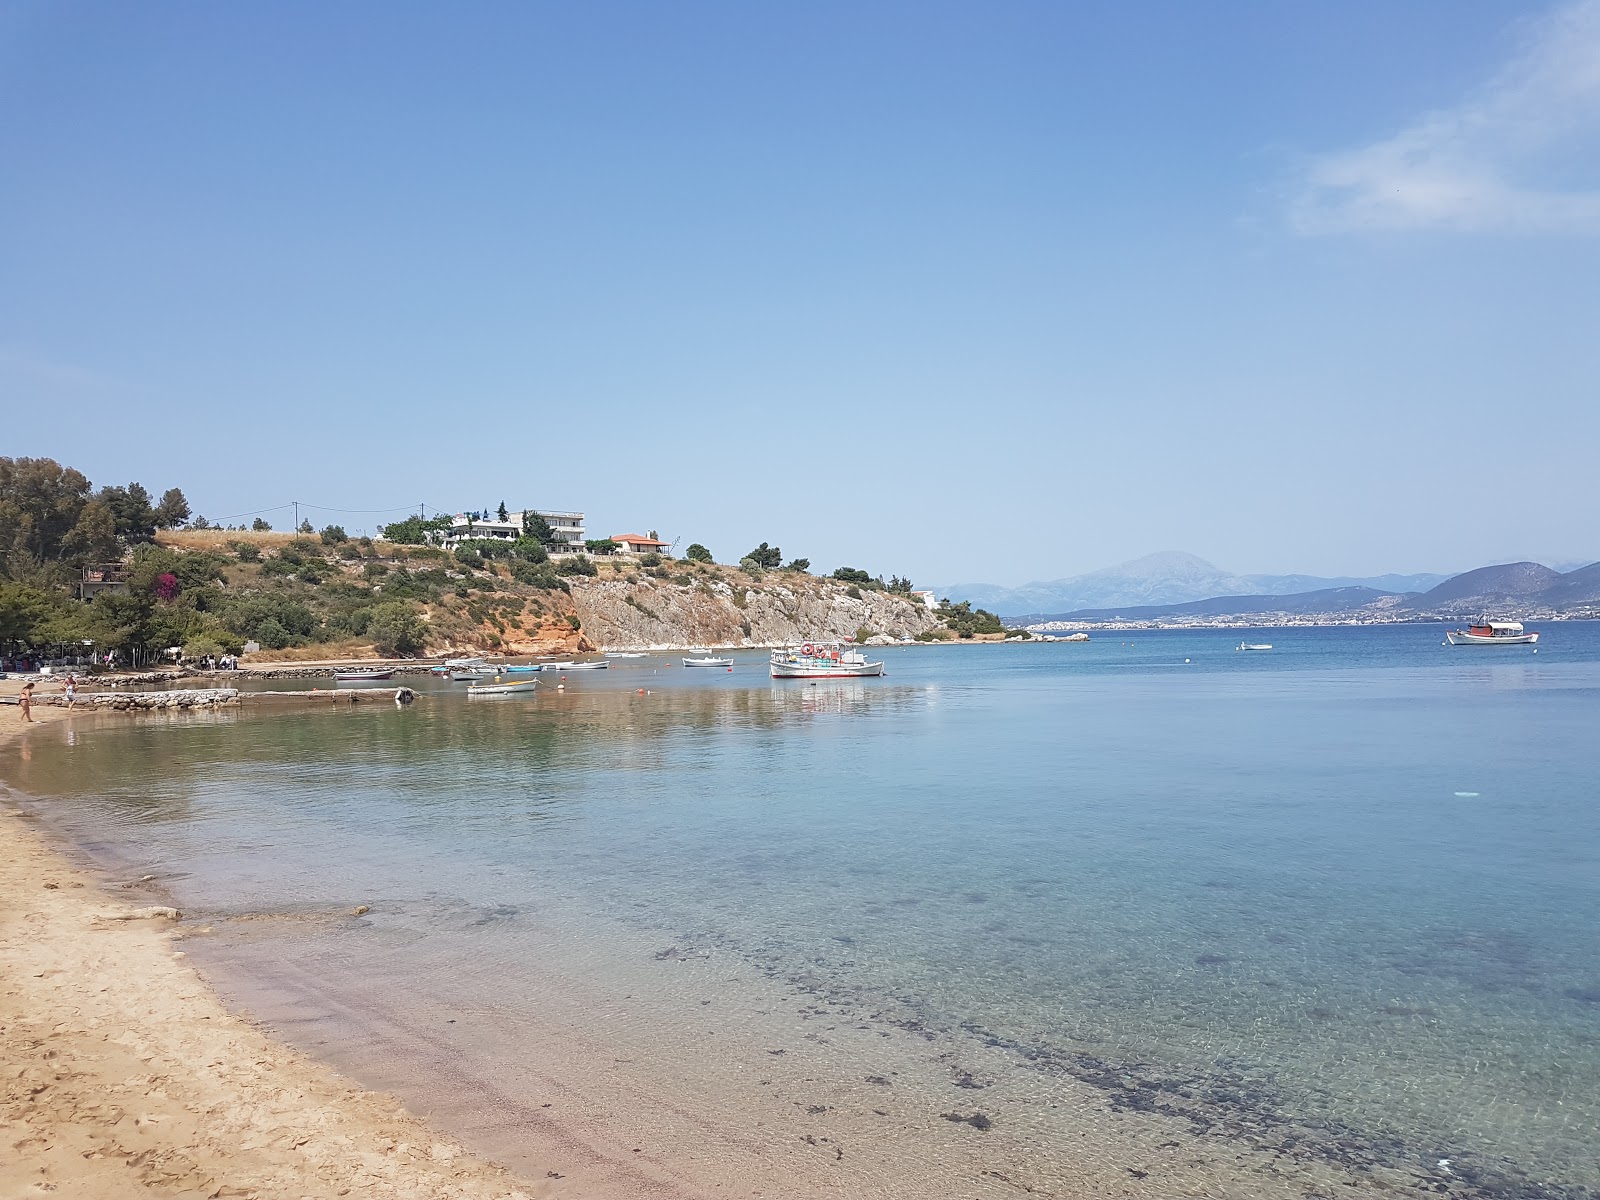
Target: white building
column 566, row 526
column 928, row 599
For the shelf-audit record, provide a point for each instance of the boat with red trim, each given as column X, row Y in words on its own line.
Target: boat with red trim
column 1492, row 633
column 822, row 660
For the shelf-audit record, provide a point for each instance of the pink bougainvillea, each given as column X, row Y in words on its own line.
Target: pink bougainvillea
column 166, row 585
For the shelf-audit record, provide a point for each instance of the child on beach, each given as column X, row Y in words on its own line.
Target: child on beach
column 25, row 700
column 72, row 691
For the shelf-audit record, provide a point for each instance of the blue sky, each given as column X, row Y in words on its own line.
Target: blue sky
column 962, row 292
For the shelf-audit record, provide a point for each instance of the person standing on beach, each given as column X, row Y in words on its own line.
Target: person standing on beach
column 72, row 691
column 25, row 699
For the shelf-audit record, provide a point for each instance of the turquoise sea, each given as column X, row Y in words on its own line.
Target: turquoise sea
column 1146, row 916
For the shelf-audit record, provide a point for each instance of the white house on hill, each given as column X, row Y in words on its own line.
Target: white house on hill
column 566, row 526
column 637, row 543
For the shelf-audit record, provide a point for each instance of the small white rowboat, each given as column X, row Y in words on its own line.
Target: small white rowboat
column 521, row 688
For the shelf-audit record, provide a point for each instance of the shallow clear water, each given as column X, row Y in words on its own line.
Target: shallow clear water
column 1349, row 888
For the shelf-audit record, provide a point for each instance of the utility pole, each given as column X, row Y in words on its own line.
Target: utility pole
column 296, row 504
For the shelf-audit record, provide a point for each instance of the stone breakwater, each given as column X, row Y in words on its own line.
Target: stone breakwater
column 187, row 698
column 146, row 678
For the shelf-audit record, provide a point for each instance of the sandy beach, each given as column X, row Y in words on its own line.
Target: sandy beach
column 124, row 1073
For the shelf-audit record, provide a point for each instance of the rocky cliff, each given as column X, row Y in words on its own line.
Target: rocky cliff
column 728, row 608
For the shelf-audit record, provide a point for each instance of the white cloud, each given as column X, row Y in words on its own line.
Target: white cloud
column 1511, row 157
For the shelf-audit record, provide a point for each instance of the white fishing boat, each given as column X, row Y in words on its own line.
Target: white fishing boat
column 362, row 675
column 463, row 663
column 822, row 660
column 626, row 654
column 708, row 660
column 1492, row 633
column 1254, row 646
column 588, row 665
column 468, row 674
column 519, row 688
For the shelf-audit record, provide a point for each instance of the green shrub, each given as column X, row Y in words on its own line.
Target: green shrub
column 530, row 550
column 468, row 557
column 651, row 559
column 698, row 553
column 246, row 551
column 333, row 535
column 395, row 627
column 578, row 564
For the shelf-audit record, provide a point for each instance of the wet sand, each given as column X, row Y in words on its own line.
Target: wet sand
column 125, row 1073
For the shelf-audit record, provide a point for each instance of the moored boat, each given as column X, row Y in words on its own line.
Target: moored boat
column 709, row 660
column 468, row 674
column 1254, row 646
column 520, row 687
column 361, row 675
column 821, row 660
column 1492, row 633
column 463, row 663
column 626, row 654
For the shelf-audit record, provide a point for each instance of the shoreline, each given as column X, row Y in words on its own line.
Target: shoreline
column 126, row 1071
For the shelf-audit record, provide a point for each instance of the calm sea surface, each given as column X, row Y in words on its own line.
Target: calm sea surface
column 1336, row 905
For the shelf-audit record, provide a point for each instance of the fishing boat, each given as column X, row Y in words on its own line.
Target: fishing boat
column 362, row 675
column 708, row 660
column 1254, row 646
column 468, row 674
column 519, row 688
column 821, row 660
column 626, row 654
column 1492, row 633
column 590, row 665
column 521, row 668
column 462, row 663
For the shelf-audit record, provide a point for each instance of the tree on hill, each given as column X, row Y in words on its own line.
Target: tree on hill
column 766, row 556
column 40, row 502
column 260, row 526
column 536, row 527
column 799, row 564
column 853, row 575
column 414, row 531
column 698, row 553
column 173, row 509
column 305, row 526
column 501, row 513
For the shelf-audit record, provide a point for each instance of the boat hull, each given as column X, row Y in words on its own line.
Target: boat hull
column 361, row 676
column 708, row 662
column 504, row 689
column 830, row 671
column 1460, row 637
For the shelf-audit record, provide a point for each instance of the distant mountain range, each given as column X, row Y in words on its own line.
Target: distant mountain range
column 1165, row 579
column 1176, row 585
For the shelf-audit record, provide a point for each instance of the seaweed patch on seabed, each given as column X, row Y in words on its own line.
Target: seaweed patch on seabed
column 1229, row 1105
column 1225, row 1104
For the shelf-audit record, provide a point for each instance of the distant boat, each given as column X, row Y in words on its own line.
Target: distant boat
column 821, row 660
column 626, row 654
column 521, row 687
column 1492, row 633
column 520, row 668
column 708, row 661
column 359, row 676
column 468, row 674
column 593, row 664
column 1255, row 646
column 462, row 663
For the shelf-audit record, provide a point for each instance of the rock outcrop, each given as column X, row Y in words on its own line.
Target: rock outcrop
column 729, row 609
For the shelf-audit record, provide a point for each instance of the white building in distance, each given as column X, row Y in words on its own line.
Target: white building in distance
column 566, row 526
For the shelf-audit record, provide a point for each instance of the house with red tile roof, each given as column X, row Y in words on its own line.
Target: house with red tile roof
column 637, row 543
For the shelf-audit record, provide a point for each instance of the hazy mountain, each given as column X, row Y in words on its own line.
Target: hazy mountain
column 1288, row 585
column 1170, row 577
column 1512, row 584
column 1325, row 600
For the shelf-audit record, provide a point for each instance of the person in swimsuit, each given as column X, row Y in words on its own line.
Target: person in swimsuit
column 26, row 701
